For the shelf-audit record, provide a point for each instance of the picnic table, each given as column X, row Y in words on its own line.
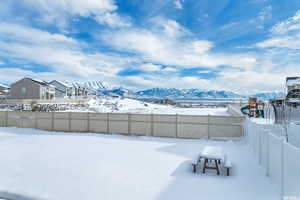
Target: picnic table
column 212, row 153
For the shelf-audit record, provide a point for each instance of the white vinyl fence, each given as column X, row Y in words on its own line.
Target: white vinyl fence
column 179, row 126
column 280, row 160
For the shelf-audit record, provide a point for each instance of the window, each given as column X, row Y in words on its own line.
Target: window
column 23, row 90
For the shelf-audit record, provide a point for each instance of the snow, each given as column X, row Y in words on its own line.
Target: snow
column 126, row 105
column 46, row 165
column 4, row 86
column 119, row 105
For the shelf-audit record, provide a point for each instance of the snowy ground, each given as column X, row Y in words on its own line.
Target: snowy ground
column 109, row 104
column 56, row 166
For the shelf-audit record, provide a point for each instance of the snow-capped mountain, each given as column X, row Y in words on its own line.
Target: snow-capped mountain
column 174, row 93
column 94, row 86
column 103, row 88
column 270, row 95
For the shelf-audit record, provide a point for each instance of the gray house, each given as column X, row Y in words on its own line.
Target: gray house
column 68, row 90
column 293, row 83
column 4, row 91
column 28, row 88
column 62, row 89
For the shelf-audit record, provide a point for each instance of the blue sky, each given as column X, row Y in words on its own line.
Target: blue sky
column 245, row 46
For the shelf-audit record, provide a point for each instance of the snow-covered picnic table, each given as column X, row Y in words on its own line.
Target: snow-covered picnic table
column 212, row 153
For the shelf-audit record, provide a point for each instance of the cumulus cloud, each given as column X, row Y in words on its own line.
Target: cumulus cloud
column 59, row 12
column 56, row 52
column 149, row 67
column 138, row 81
column 113, row 20
column 285, row 34
column 168, row 27
column 166, row 47
column 178, row 4
column 170, row 69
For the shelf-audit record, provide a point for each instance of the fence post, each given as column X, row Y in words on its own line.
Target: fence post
column 107, row 122
column 35, row 120
column 129, row 123
column 69, row 118
column 52, row 121
column 152, row 124
column 208, row 126
column 88, row 122
column 176, row 129
column 20, row 124
column 6, row 119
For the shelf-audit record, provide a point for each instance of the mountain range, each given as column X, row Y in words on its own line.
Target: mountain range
column 103, row 88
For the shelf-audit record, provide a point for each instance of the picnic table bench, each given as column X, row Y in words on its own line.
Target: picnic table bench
column 212, row 154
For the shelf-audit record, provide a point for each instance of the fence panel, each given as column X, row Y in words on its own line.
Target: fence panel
column 61, row 121
column 192, row 126
column 27, row 120
column 275, row 129
column 164, row 125
column 98, row 123
column 2, row 119
column 291, row 178
column 256, row 130
column 141, row 124
column 294, row 135
column 118, row 123
column 275, row 160
column 44, row 121
column 79, row 122
column 13, row 119
column 264, row 148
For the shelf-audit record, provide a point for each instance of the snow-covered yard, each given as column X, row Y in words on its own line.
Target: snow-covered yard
column 56, row 166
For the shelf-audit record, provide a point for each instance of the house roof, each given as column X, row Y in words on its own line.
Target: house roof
column 62, row 83
column 290, row 81
column 41, row 82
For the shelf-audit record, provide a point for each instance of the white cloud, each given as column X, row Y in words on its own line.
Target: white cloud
column 170, row 69
column 291, row 42
column 204, row 72
column 291, row 24
column 74, row 7
column 113, row 20
column 178, row 4
column 263, row 16
column 168, row 27
column 149, row 67
column 138, row 81
column 58, row 12
column 285, row 34
column 57, row 52
column 156, row 46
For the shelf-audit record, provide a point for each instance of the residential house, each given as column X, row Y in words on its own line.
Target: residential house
column 292, row 83
column 4, row 91
column 62, row 89
column 28, row 88
column 68, row 90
